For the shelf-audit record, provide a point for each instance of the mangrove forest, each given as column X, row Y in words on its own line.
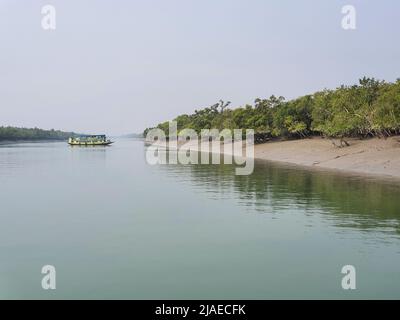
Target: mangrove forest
column 369, row 109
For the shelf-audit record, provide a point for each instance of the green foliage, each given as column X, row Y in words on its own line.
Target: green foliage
column 15, row 134
column 371, row 108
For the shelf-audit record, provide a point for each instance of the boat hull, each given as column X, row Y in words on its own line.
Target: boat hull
column 90, row 144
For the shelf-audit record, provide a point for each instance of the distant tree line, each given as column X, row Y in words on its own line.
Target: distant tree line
column 133, row 135
column 15, row 134
column 369, row 109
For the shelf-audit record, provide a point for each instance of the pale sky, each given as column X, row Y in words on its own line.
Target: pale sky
column 120, row 66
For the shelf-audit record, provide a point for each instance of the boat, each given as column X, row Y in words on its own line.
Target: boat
column 90, row 140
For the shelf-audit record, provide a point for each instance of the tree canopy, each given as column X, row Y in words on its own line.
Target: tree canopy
column 370, row 108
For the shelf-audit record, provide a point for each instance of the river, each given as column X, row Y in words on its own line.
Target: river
column 116, row 227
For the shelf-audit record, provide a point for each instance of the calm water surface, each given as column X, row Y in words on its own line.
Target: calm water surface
column 115, row 227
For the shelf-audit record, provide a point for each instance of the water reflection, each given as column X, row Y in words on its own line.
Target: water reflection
column 343, row 201
column 32, row 156
column 88, row 155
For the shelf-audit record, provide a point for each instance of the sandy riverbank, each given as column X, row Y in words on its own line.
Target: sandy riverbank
column 372, row 156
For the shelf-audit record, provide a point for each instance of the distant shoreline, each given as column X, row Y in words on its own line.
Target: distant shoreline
column 4, row 142
column 378, row 157
column 16, row 134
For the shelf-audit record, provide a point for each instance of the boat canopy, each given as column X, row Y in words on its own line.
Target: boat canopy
column 97, row 137
column 92, row 136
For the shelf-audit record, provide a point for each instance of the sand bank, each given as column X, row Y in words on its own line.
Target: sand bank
column 371, row 156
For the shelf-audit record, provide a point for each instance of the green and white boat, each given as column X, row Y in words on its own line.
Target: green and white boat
column 90, row 140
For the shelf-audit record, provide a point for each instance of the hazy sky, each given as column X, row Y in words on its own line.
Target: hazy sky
column 120, row 66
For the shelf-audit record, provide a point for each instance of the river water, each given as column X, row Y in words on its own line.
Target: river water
column 115, row 227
